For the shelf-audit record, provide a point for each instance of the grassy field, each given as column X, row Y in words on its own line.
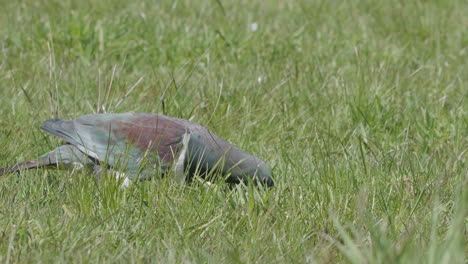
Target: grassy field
column 360, row 107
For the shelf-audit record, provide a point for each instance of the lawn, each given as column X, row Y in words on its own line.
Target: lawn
column 360, row 107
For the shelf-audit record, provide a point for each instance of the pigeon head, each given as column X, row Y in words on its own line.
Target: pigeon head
column 206, row 152
column 252, row 169
column 264, row 175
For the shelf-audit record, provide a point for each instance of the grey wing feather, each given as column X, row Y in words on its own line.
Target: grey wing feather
column 64, row 129
column 78, row 136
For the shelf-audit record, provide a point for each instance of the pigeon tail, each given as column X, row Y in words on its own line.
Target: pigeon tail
column 49, row 126
column 64, row 157
column 26, row 165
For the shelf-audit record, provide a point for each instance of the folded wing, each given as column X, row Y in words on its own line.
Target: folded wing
column 124, row 141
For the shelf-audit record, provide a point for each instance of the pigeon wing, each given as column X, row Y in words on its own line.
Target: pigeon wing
column 124, row 141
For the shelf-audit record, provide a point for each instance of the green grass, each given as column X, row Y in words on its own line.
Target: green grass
column 360, row 107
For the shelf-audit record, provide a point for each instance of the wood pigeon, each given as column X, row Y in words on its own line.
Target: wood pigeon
column 143, row 145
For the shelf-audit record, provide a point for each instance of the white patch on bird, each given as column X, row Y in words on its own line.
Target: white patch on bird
column 254, row 26
column 179, row 169
column 77, row 166
column 126, row 182
column 119, row 175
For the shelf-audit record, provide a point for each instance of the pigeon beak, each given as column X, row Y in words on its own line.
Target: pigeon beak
column 268, row 182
